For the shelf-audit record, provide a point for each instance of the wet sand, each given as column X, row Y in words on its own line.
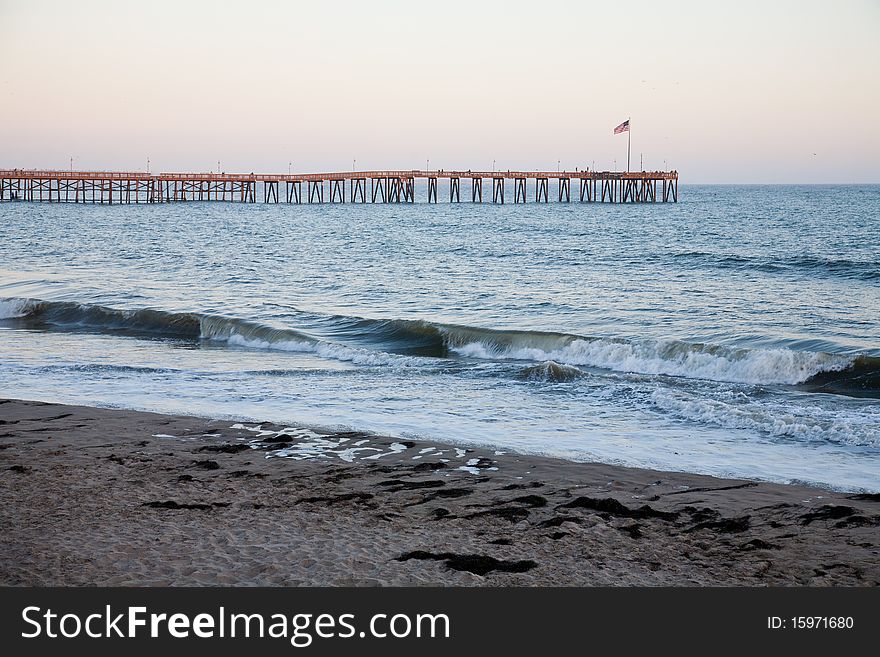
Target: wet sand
column 111, row 497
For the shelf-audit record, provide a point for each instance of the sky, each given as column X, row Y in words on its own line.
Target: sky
column 736, row 92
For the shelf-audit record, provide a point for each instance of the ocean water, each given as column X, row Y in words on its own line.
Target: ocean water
column 734, row 333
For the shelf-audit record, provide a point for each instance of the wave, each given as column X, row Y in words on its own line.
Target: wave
column 36, row 312
column 860, row 379
column 68, row 315
column 398, row 342
column 675, row 358
column 839, row 267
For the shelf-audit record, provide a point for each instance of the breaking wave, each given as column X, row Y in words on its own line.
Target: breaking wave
column 554, row 356
column 815, row 370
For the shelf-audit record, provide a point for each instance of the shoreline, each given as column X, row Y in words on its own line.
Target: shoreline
column 96, row 496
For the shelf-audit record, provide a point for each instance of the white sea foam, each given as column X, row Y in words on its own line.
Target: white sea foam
column 328, row 350
column 811, row 423
column 239, row 340
column 755, row 366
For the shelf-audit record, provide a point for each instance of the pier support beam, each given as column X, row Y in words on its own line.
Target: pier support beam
column 541, row 187
column 670, row 190
column 432, row 189
column 519, row 190
column 476, row 189
column 455, row 190
column 379, row 186
column 409, row 190
column 394, row 190
column 498, row 190
column 565, row 190
column 294, row 191
column 316, row 191
column 337, row 191
column 359, row 189
column 270, row 192
column 588, row 189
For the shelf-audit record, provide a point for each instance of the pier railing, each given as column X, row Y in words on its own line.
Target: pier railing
column 385, row 186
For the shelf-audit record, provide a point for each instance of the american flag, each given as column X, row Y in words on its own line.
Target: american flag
column 623, row 127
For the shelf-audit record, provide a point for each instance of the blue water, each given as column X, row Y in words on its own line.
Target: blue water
column 736, row 332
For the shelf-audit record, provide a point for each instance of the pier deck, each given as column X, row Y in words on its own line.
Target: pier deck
column 391, row 186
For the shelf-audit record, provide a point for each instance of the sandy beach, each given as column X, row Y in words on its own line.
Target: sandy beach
column 112, row 497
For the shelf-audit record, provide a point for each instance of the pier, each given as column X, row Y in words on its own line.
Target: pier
column 393, row 186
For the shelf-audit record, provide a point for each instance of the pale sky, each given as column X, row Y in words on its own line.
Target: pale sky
column 724, row 92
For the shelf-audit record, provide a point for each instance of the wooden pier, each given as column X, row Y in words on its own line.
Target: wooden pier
column 109, row 187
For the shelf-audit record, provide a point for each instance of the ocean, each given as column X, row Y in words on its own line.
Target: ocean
column 735, row 333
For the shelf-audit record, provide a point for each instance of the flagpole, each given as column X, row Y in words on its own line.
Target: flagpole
column 628, row 141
